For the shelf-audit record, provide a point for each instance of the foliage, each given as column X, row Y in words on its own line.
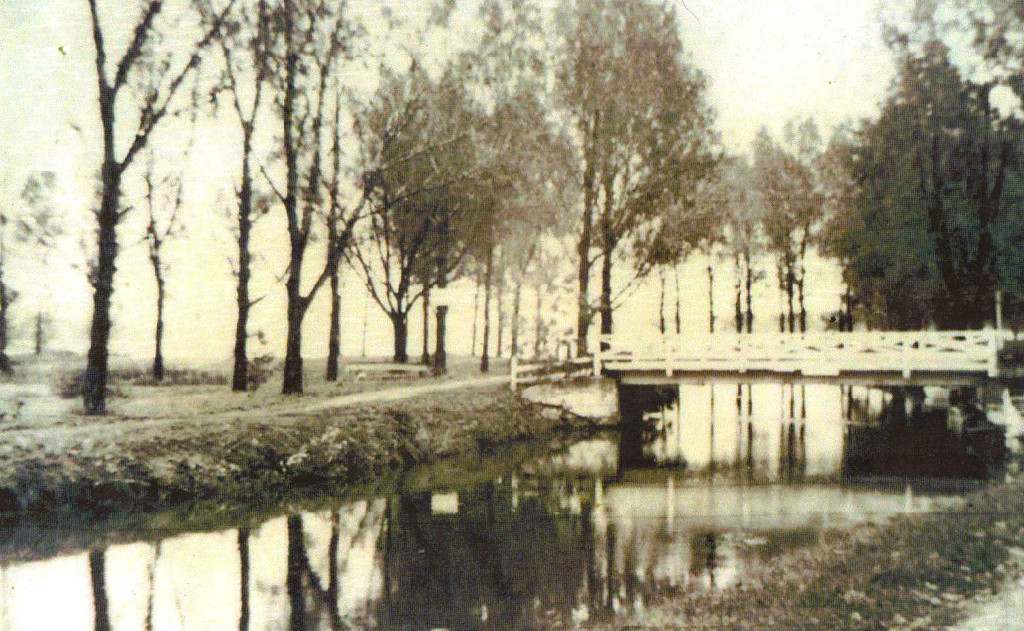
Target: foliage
column 644, row 131
column 931, row 228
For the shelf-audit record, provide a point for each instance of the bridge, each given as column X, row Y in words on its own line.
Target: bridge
column 918, row 358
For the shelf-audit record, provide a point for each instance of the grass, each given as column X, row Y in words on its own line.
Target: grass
column 103, row 468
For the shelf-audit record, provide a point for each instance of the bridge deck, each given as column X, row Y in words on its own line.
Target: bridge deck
column 884, row 358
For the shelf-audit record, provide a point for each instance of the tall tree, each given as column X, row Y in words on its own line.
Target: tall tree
column 151, row 103
column 934, row 218
column 645, row 126
column 312, row 37
column 414, row 142
column 245, row 45
column 38, row 226
column 793, row 207
column 164, row 222
column 341, row 224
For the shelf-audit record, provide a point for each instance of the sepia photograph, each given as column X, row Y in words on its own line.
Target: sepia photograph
column 511, row 315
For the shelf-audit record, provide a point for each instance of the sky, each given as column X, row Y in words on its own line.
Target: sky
column 767, row 61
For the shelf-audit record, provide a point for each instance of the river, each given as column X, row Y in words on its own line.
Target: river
column 710, row 486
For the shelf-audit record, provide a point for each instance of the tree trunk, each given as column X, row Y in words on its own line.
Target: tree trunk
column 750, row 286
column 679, row 304
column 661, row 303
column 5, row 304
column 485, row 362
column 240, row 372
column 100, row 602
column 500, row 343
column 293, row 377
column 39, row 333
column 607, row 250
column 848, row 303
column 476, row 313
column 537, row 323
column 782, row 294
column 711, row 298
column 334, row 334
column 296, row 309
column 94, row 392
column 791, row 313
column 738, row 286
column 800, row 299
column 425, row 355
column 243, row 563
column 158, row 355
column 400, row 325
column 517, row 298
column 293, row 348
column 606, row 296
column 586, row 236
column 440, row 352
column 296, row 564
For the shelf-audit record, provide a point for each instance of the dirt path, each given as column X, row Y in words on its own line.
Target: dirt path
column 395, row 394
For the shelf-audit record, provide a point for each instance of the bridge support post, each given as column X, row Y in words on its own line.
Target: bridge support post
column 631, row 419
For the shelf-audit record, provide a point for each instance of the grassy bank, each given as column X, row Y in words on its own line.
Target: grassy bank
column 117, row 464
column 919, row 572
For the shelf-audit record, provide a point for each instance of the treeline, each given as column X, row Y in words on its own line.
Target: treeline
column 582, row 128
column 922, row 205
column 926, row 206
column 561, row 149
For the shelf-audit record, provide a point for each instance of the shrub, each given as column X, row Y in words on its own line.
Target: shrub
column 260, row 370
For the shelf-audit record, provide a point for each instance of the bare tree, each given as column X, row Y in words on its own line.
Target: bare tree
column 312, row 38
column 164, row 223
column 341, row 224
column 246, row 47
column 152, row 104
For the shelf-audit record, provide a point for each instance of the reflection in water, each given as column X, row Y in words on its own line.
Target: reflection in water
column 243, row 571
column 594, row 530
column 97, row 572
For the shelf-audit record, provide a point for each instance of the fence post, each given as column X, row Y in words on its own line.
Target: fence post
column 513, row 382
column 993, row 356
column 597, row 359
column 906, row 355
column 666, row 347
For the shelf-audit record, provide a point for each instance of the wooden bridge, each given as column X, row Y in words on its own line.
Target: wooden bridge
column 951, row 358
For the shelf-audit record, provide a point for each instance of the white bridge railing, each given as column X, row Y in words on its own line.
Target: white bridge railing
column 524, row 373
column 819, row 354
column 822, row 354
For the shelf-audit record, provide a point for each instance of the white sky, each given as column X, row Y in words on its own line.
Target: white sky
column 767, row 61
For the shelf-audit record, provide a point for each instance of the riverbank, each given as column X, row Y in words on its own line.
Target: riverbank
column 915, row 572
column 122, row 464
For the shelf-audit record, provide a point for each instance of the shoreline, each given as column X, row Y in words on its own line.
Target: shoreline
column 123, row 465
column 242, row 470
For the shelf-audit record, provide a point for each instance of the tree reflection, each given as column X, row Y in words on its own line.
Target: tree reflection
column 243, row 564
column 98, row 578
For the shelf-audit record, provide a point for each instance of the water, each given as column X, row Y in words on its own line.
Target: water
column 699, row 497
